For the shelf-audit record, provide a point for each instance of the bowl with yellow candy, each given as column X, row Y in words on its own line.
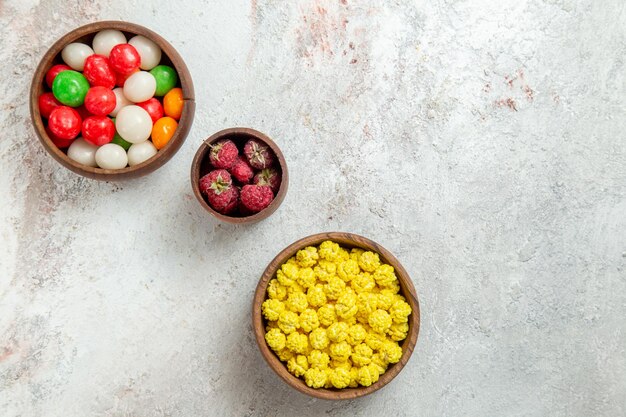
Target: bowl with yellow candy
column 336, row 316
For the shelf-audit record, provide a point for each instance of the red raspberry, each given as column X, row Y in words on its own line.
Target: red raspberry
column 223, row 154
column 218, row 187
column 255, row 198
column 270, row 177
column 259, row 156
column 241, row 171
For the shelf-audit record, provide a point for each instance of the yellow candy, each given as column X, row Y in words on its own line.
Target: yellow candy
column 291, row 271
column 367, row 303
column 362, row 355
column 340, row 378
column 324, row 270
column 307, row 257
column 272, row 308
column 338, row 332
column 390, row 352
column 285, row 354
column 400, row 311
column 276, row 290
column 384, row 275
column 348, row 270
column 340, row 351
column 346, row 305
column 297, row 342
column 363, row 282
column 368, row 375
column 306, row 277
column 375, row 340
column 329, row 250
column 354, row 376
column 379, row 363
column 316, row 296
column 356, row 334
column 398, row 331
column 369, row 261
column 288, row 322
column 297, row 302
column 297, row 365
column 355, row 254
column 326, row 315
column 275, row 339
column 334, row 288
column 380, row 321
column 385, row 299
column 315, row 378
column 319, row 359
column 309, row 320
column 283, row 279
column 319, row 339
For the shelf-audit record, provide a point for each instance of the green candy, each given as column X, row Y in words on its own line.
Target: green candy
column 166, row 79
column 70, row 88
column 118, row 140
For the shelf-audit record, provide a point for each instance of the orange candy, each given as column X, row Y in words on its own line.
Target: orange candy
column 173, row 103
column 162, row 131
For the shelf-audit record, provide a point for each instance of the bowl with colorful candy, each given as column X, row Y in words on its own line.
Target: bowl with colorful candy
column 112, row 100
column 239, row 175
column 336, row 316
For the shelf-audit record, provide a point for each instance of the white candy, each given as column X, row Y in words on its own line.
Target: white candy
column 111, row 156
column 140, row 86
column 149, row 52
column 133, row 124
column 105, row 40
column 139, row 152
column 75, row 55
column 83, row 152
column 120, row 101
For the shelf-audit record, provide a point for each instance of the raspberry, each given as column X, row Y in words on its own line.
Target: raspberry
column 270, row 177
column 241, row 171
column 259, row 156
column 223, row 154
column 218, row 187
column 255, row 198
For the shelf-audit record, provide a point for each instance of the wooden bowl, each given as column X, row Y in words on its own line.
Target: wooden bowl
column 202, row 166
column 348, row 240
column 169, row 57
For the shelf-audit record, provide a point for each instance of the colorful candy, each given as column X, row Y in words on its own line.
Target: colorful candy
column 162, row 131
column 98, row 71
column 64, row 122
column 100, row 101
column 173, row 103
column 111, row 156
column 105, row 40
column 166, row 79
column 47, row 103
column 140, row 152
column 70, row 88
column 153, row 107
column 110, row 96
column 133, row 124
column 98, row 130
column 149, row 52
column 83, row 152
column 140, row 87
column 75, row 55
column 53, row 72
column 124, row 58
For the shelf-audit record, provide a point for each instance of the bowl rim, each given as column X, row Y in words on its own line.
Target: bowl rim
column 201, row 154
column 349, row 240
column 164, row 154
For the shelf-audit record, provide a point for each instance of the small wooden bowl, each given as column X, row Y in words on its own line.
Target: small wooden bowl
column 86, row 34
column 348, row 240
column 202, row 166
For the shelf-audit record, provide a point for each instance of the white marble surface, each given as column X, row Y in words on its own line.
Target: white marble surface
column 480, row 141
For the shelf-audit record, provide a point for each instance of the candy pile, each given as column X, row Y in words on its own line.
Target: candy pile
column 244, row 182
column 108, row 95
column 336, row 317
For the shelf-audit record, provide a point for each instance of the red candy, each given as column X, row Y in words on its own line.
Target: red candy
column 100, row 101
column 83, row 112
column 98, row 71
column 124, row 58
column 47, row 103
column 59, row 143
column 98, row 130
column 52, row 73
column 153, row 107
column 64, row 122
column 120, row 79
